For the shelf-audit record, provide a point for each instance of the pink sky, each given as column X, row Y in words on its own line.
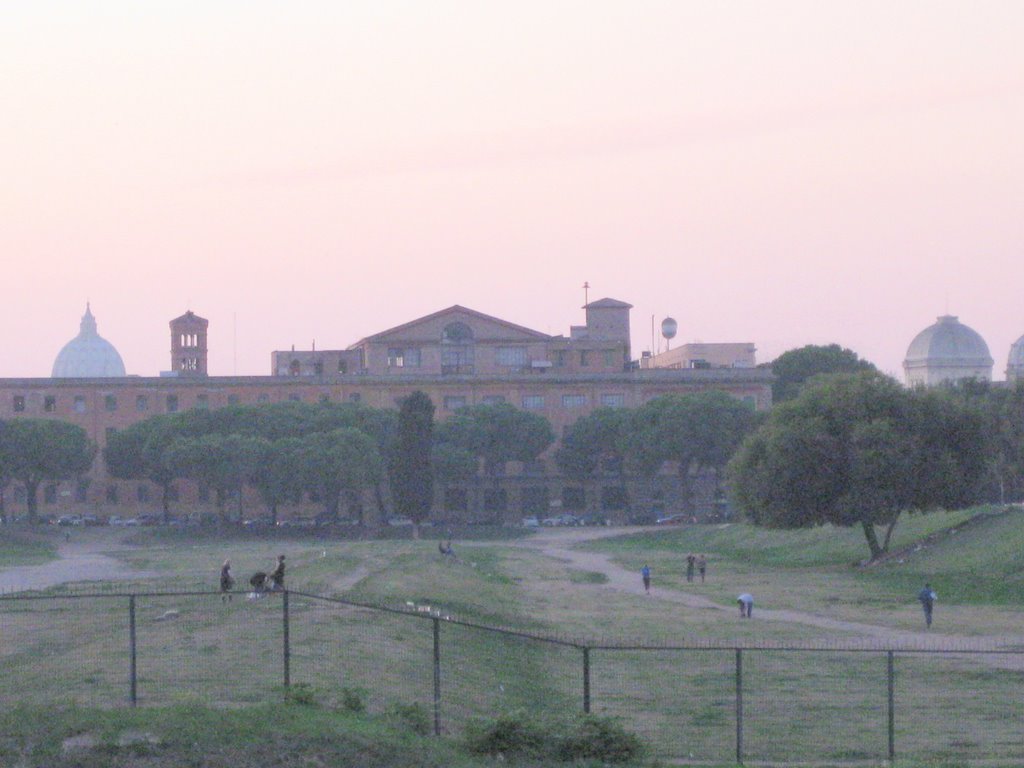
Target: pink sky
column 785, row 173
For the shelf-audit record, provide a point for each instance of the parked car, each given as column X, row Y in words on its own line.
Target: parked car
column 70, row 520
column 551, row 521
column 672, row 520
column 399, row 521
column 531, row 522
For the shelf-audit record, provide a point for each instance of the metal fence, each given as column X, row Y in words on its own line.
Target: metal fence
column 694, row 701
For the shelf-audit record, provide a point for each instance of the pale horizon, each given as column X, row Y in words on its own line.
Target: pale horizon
column 785, row 174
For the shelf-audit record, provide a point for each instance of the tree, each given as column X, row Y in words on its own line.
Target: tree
column 795, row 367
column 334, row 462
column 138, row 452
column 412, row 479
column 858, row 449
column 279, row 480
column 699, row 431
column 40, row 450
column 223, row 463
column 592, row 439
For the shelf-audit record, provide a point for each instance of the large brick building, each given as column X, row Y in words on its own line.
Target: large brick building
column 457, row 356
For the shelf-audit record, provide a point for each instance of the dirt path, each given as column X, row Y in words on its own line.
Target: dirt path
column 78, row 560
column 560, row 545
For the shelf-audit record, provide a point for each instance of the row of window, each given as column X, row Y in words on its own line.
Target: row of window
column 80, row 403
column 511, row 357
column 539, row 402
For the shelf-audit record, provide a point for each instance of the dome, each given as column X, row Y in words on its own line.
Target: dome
column 947, row 351
column 1015, row 363
column 88, row 355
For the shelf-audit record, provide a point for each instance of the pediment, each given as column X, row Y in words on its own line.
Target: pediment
column 431, row 329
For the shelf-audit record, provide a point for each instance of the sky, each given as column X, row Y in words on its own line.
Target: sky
column 782, row 173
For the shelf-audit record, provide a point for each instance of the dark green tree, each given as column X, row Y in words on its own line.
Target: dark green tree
column 279, row 479
column 412, row 478
column 858, row 449
column 41, row 450
column 793, row 368
column 593, row 439
column 223, row 463
column 344, row 460
column 138, row 452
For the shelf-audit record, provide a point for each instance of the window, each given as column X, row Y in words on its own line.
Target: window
column 172, row 403
column 533, row 401
column 457, row 333
column 50, row 493
column 535, row 500
column 574, row 401
column 79, row 405
column 142, row 493
column 613, row 400
column 19, row 403
column 110, row 403
column 404, row 358
column 20, row 496
column 318, row 368
column 324, row 398
column 342, row 366
column 82, row 491
column 202, row 402
column 609, row 358
column 112, row 494
column 141, row 403
column 750, row 400
column 263, row 398
column 561, row 358
column 295, row 398
column 493, row 399
column 452, row 402
column 511, row 356
column 234, row 399
column 110, row 432
column 50, row 403
column 584, row 358
column 354, row 397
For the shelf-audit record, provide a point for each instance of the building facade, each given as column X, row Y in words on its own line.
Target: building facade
column 459, row 357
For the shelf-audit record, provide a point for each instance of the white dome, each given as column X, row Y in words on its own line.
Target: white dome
column 1015, row 362
column 947, row 351
column 88, row 355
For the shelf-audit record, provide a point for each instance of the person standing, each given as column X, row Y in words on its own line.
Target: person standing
column 691, row 559
column 227, row 582
column 746, row 603
column 927, row 597
column 645, row 574
column 702, row 566
column 277, row 575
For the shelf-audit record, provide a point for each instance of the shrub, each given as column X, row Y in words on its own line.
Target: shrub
column 300, row 693
column 353, row 700
column 515, row 733
column 600, row 738
column 414, row 716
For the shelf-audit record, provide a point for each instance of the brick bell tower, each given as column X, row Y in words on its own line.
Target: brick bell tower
column 188, row 345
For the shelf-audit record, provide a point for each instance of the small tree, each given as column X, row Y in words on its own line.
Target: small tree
column 40, row 450
column 335, row 462
column 412, row 479
column 794, row 368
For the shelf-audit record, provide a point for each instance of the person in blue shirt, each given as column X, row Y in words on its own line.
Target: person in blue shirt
column 645, row 573
column 927, row 597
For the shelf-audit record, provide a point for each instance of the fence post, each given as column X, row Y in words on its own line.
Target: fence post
column 133, row 670
column 739, row 706
column 892, row 707
column 437, row 676
column 586, row 680
column 287, row 648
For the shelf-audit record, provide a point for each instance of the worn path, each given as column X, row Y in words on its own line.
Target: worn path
column 77, row 560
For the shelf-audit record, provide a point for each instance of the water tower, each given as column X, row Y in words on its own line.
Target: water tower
column 668, row 330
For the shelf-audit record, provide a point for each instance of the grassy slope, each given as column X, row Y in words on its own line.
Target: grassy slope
column 970, row 556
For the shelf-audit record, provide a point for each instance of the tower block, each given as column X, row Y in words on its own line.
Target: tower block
column 188, row 345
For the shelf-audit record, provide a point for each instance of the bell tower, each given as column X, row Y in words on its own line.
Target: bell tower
column 188, row 345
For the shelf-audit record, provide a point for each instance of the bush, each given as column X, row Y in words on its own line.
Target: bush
column 353, row 700
column 300, row 693
column 588, row 738
column 511, row 734
column 600, row 738
column 414, row 716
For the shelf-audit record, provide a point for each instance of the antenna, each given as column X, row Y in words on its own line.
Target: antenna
column 234, row 343
column 586, row 293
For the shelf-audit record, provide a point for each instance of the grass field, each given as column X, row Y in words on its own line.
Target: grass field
column 810, row 707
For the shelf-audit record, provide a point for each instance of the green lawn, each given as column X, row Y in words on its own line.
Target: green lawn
column 24, row 548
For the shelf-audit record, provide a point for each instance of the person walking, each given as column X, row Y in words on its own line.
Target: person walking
column 702, row 566
column 927, row 597
column 645, row 574
column 746, row 603
column 277, row 575
column 227, row 582
column 691, row 559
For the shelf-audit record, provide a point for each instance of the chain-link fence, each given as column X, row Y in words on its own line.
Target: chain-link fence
column 696, row 702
